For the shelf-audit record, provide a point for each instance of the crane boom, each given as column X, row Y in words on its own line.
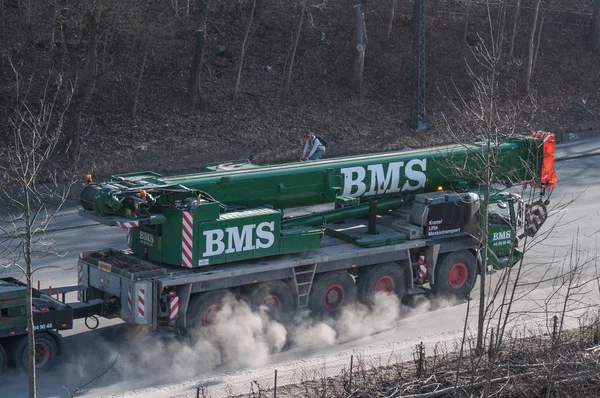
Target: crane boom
column 237, row 207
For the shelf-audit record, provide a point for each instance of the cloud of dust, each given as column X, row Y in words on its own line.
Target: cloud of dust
column 241, row 338
column 354, row 321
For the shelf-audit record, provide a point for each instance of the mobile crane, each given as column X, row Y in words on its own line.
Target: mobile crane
column 392, row 222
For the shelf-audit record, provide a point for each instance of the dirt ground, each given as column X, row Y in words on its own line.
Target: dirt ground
column 168, row 136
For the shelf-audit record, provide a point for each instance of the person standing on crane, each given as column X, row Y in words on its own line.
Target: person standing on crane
column 316, row 146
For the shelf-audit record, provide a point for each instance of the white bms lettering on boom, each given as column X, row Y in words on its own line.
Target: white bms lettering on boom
column 381, row 181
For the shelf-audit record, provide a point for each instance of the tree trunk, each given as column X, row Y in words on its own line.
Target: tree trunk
column 392, row 15
column 236, row 91
column 86, row 79
column 596, row 26
column 360, row 46
column 467, row 12
column 298, row 31
column 501, row 30
column 513, row 35
column 194, row 90
column 139, row 80
column 29, row 301
column 531, row 48
column 2, row 19
column 537, row 46
column 483, row 244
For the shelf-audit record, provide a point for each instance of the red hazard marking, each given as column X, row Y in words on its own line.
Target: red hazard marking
column 129, row 224
column 141, row 302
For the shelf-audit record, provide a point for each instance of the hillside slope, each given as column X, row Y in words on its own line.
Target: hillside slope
column 155, row 42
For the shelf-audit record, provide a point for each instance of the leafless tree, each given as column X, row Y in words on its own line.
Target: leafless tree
column 294, row 47
column 531, row 47
column 513, row 34
column 194, row 90
column 596, row 26
column 236, row 91
column 391, row 21
column 31, row 183
column 467, row 14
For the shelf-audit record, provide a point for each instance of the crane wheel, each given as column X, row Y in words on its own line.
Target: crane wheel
column 455, row 274
column 45, row 353
column 275, row 296
column 203, row 308
column 388, row 277
column 3, row 360
column 330, row 291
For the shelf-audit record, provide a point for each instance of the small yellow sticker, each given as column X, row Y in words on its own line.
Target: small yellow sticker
column 104, row 266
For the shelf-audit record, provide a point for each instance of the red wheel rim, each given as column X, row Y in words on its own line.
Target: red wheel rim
column 42, row 354
column 272, row 302
column 209, row 317
column 457, row 276
column 385, row 284
column 334, row 297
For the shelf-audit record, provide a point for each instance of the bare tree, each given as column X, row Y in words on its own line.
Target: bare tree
column 501, row 27
column 596, row 26
column 391, row 21
column 513, row 34
column 31, row 186
column 71, row 16
column 467, row 13
column 194, row 90
column 294, row 47
column 236, row 91
column 360, row 47
column 531, row 48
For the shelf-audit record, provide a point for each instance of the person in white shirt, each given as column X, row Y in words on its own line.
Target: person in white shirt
column 317, row 149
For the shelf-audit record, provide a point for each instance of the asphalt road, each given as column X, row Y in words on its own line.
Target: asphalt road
column 575, row 222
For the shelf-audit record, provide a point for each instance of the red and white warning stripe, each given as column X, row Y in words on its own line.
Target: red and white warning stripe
column 187, row 235
column 129, row 302
column 80, row 282
column 422, row 266
column 173, row 307
column 80, row 275
column 128, row 224
column 141, row 302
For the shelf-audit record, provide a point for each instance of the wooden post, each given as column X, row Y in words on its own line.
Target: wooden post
column 350, row 382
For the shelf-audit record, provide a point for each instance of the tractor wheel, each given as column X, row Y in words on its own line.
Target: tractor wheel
column 388, row 277
column 45, row 353
column 203, row 308
column 3, row 360
column 276, row 296
column 330, row 291
column 455, row 274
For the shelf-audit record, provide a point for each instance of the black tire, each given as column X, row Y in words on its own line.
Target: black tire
column 388, row 277
column 204, row 307
column 455, row 274
column 45, row 353
column 3, row 360
column 331, row 291
column 275, row 295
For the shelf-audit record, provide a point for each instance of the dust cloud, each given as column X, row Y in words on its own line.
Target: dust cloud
column 240, row 339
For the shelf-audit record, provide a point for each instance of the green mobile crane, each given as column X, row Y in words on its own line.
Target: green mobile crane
column 392, row 221
column 314, row 234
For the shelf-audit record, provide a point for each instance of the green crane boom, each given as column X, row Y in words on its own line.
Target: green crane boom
column 240, row 205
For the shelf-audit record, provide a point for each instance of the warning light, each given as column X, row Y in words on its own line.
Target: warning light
column 12, row 333
column 440, row 188
column 88, row 178
column 63, row 325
